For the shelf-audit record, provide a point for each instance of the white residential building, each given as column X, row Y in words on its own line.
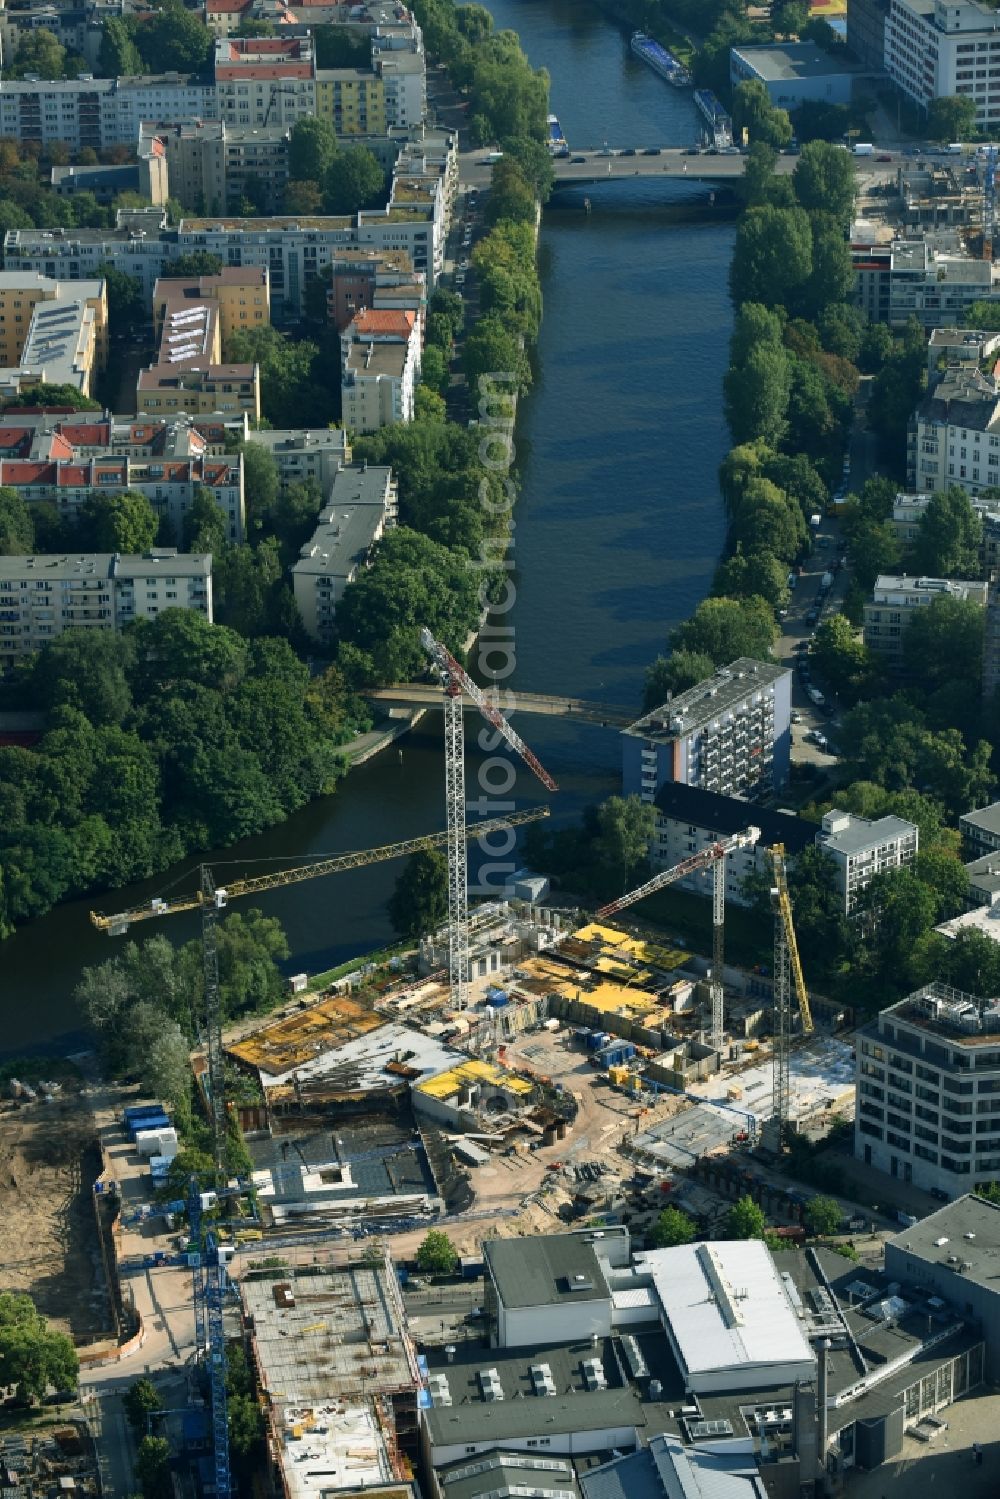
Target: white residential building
column 265, row 80
column 404, row 78
column 937, row 48
column 860, row 849
column 42, row 596
column 895, row 600
column 360, row 507
column 689, row 820
column 99, row 112
column 954, row 434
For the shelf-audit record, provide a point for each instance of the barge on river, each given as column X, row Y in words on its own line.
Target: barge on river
column 660, row 60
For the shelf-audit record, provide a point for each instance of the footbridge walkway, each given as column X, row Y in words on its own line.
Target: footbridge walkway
column 428, row 695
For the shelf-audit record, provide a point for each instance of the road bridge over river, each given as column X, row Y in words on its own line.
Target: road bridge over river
column 718, row 169
column 428, row 695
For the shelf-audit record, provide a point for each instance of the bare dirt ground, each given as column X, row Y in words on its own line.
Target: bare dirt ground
column 48, row 1237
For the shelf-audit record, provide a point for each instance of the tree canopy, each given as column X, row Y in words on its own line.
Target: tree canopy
column 33, row 1357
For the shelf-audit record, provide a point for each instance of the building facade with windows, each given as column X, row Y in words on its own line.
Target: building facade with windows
column 937, row 48
column 928, row 1090
column 40, row 597
column 261, row 81
column 361, row 505
column 730, row 734
column 352, row 100
column 894, row 602
column 954, row 434
column 861, row 848
column 689, row 820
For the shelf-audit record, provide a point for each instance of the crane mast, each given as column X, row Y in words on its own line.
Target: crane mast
column 456, row 684
column 713, row 857
column 787, row 974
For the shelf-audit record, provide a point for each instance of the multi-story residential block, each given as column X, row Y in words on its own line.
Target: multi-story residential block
column 908, row 509
column 954, row 434
column 199, row 389
column 958, row 346
column 313, row 455
column 42, row 596
column 352, row 100
column 99, row 112
column 242, row 295
column 861, row 848
column 937, row 48
column 189, row 375
column 935, row 280
column 404, row 79
column 21, row 292
column 147, row 175
column 730, row 734
column 215, row 167
column 894, row 602
column 377, row 386
column 688, row 820
column 980, row 830
column 264, row 81
column 928, row 1090
column 362, row 504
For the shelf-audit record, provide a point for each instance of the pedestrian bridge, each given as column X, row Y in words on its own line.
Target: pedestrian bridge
column 428, row 695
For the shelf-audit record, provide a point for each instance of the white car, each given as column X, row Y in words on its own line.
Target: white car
column 796, row 716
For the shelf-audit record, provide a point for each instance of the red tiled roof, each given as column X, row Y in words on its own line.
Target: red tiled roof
column 16, row 472
column 264, row 70
column 14, row 437
column 265, row 46
column 384, row 320
column 86, row 434
column 225, row 7
column 60, row 446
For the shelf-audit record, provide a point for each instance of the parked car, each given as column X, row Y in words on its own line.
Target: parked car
column 812, row 616
column 578, row 160
column 692, row 150
column 652, row 151
column 629, row 151
column 940, row 1194
column 796, row 716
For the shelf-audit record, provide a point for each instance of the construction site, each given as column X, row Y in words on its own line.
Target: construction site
column 49, row 1240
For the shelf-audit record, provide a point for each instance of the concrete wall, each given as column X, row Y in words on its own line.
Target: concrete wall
column 519, row 1327
column 625, row 1438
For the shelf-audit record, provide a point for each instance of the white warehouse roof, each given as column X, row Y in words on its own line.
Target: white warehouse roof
column 727, row 1315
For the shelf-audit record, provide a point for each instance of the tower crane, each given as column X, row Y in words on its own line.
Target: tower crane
column 713, row 857
column 787, row 971
column 456, row 681
column 208, row 1270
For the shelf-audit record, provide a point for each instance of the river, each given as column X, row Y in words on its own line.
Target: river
column 618, row 526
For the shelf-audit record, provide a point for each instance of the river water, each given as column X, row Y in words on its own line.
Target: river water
column 617, row 531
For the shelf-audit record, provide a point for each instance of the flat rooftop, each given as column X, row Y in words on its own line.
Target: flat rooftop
column 968, row 1228
column 296, row 1039
column 545, row 1271
column 730, row 814
column 502, row 1475
column 727, row 1308
column 377, row 359
column 961, row 1018
column 791, row 61
column 340, row 1172
column 330, row 1334
column 861, row 833
column 470, row 1071
column 385, row 1057
column 708, row 700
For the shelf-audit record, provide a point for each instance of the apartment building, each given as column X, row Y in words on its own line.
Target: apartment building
column 954, row 434
column 908, row 510
column 980, row 830
column 861, row 848
column 305, row 456
column 361, row 505
column 404, row 80
column 241, row 295
column 352, row 100
column 78, row 326
column 199, row 390
column 937, row 48
column 894, row 602
column 928, row 1090
column 935, row 280
column 99, row 112
column 264, row 81
column 377, row 386
column 730, row 734
column 214, row 167
column 40, row 597
column 689, row 820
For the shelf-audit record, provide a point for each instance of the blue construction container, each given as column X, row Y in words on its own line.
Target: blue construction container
column 141, row 1111
column 152, row 1122
column 597, row 1040
column 617, row 1053
column 496, row 998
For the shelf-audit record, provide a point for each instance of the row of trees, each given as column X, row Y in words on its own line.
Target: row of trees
column 744, row 1220
column 508, row 99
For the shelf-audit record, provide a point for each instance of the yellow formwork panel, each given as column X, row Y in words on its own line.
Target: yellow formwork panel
column 473, row 1071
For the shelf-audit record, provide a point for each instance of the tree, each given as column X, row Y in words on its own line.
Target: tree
column 823, row 1216
column 492, row 349
column 166, row 1066
column 194, row 263
column 754, row 113
column 419, row 902
column 354, row 179
column 126, row 303
column 627, row 827
column 173, row 39
column 312, row 147
column 512, row 196
column 791, row 17
column 841, row 657
column 40, row 52
column 951, row 118
column 119, row 56
column 672, row 1227
column 32, row 1356
column 152, row 1468
column 757, row 393
column 86, row 670
column 755, row 325
column 123, row 522
column 745, row 1220
column 725, row 629
column 434, row 371
column 261, row 480
column 949, row 536
column 141, row 1400
column 44, row 394
column 204, row 527
column 824, row 180
column 437, row 1255
column 17, row 529
column 815, row 120
column 943, row 643
column 290, row 393
column 669, row 675
column 754, row 572
column 772, row 257
column 832, row 278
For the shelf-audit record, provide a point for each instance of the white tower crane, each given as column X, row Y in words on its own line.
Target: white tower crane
column 457, row 683
column 714, row 856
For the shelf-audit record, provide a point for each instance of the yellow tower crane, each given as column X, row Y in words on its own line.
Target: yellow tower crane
column 787, row 971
